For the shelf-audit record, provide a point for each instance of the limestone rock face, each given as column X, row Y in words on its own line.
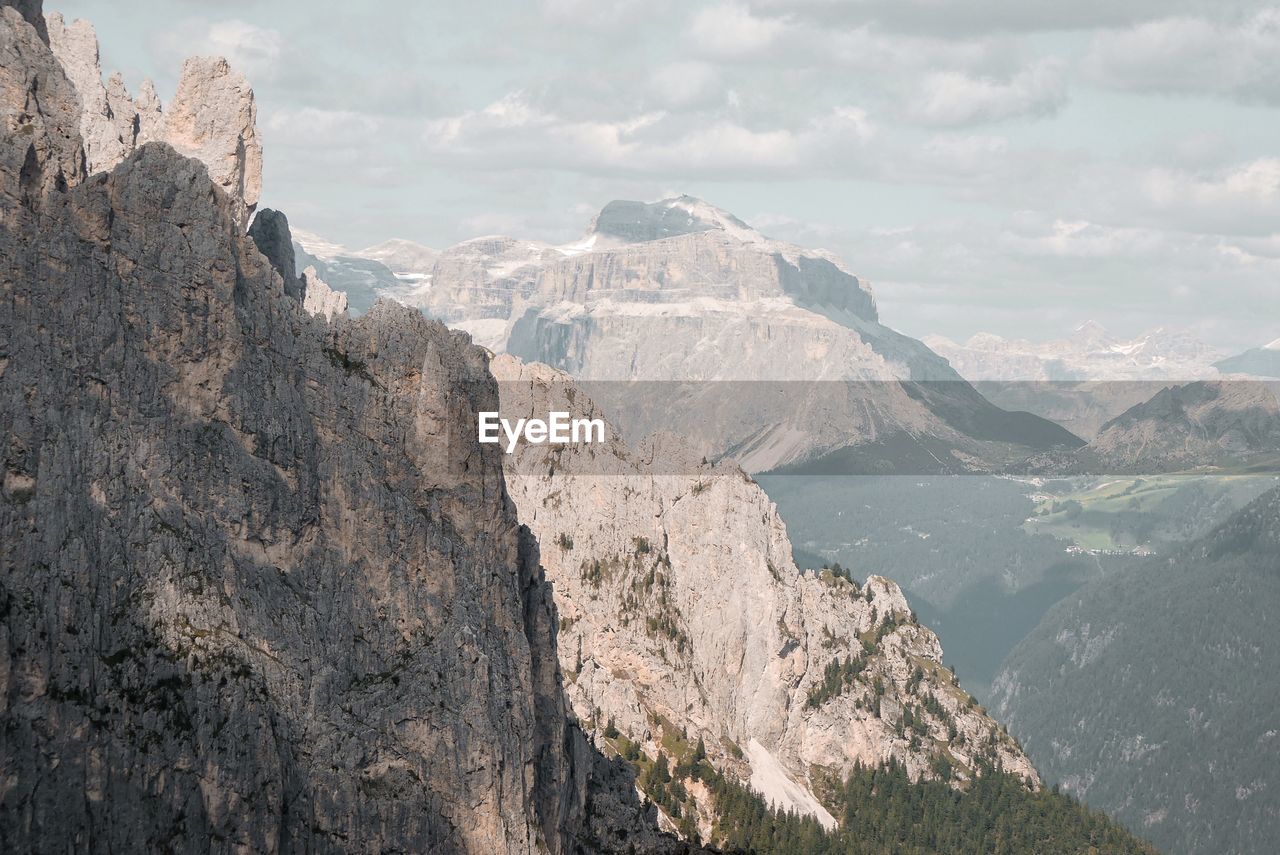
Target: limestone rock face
column 213, row 118
column 150, row 117
column 108, row 119
column 263, row 590
column 682, row 611
column 320, row 298
column 40, row 148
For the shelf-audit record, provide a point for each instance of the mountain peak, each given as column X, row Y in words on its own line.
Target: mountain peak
column 1091, row 329
column 638, row 222
column 1275, row 345
column 401, row 256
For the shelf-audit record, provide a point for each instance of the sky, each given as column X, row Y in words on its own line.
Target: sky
column 989, row 166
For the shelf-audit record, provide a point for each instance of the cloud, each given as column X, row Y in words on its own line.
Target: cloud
column 732, row 31
column 1244, row 200
column 253, row 50
column 956, row 98
column 947, row 18
column 512, row 132
column 1039, row 274
column 310, row 127
column 687, row 84
column 1183, row 55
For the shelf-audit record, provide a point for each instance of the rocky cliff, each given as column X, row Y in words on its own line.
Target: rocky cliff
column 683, row 618
column 213, row 115
column 262, row 589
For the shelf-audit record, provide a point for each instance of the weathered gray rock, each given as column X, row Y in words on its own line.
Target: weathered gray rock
column 40, row 148
column 212, row 118
column 262, row 589
column 32, row 12
column 150, row 117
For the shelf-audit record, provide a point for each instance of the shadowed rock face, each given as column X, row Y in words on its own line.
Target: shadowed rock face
column 262, row 590
column 30, row 10
column 270, row 231
column 40, row 146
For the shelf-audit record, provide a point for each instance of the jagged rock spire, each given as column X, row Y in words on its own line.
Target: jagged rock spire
column 213, row 116
column 270, row 231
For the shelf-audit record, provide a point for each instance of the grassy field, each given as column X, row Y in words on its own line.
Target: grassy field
column 1127, row 513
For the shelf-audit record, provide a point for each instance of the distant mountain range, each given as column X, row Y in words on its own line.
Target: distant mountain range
column 1090, row 377
column 1222, row 423
column 1260, row 361
column 1090, row 353
column 397, row 269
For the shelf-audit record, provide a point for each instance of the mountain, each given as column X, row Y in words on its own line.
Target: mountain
column 1081, row 381
column 213, row 115
column 404, row 257
column 1260, row 362
column 1152, row 693
column 263, row 590
column 1089, row 353
column 1222, row 423
column 694, row 647
column 683, row 318
column 362, row 274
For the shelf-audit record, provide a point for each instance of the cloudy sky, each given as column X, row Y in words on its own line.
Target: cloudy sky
column 1013, row 166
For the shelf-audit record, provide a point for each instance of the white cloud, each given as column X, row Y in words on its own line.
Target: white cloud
column 957, row 98
column 255, row 51
column 513, row 133
column 310, row 127
column 1241, row 201
column 732, row 31
column 1039, row 274
column 1193, row 55
column 687, row 84
column 952, row 19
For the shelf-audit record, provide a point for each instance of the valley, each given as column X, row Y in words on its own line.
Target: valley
column 662, row 538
